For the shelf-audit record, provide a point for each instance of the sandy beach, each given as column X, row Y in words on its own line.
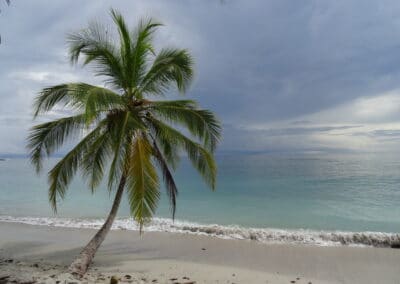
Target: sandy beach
column 42, row 254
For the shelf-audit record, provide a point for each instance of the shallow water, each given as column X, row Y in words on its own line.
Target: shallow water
column 356, row 193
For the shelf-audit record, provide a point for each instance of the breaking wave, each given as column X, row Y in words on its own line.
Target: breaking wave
column 265, row 235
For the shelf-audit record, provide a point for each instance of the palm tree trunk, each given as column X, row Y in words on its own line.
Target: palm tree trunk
column 80, row 265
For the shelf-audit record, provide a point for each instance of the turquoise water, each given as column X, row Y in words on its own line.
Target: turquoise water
column 315, row 192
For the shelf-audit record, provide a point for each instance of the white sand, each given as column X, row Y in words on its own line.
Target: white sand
column 165, row 256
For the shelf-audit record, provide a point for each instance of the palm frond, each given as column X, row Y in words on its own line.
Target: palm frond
column 95, row 45
column 100, row 100
column 62, row 173
column 171, row 66
column 170, row 185
column 201, row 159
column 78, row 96
column 143, row 185
column 46, row 138
column 125, row 45
column 201, row 123
column 95, row 158
column 121, row 127
column 169, row 150
column 117, row 128
column 142, row 47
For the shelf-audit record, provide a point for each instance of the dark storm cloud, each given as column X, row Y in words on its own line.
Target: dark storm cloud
column 282, row 59
column 257, row 62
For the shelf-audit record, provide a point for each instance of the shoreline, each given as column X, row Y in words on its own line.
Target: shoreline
column 163, row 256
column 262, row 235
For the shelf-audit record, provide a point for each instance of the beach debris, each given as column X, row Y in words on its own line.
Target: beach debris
column 127, row 276
column 395, row 245
column 173, row 279
column 4, row 278
column 114, row 279
column 154, row 281
column 203, row 249
column 185, row 278
column 186, row 282
column 253, row 237
column 8, row 279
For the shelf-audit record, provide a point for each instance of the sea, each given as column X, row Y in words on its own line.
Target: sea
column 313, row 199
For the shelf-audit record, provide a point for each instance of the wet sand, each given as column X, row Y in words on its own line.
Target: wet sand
column 40, row 252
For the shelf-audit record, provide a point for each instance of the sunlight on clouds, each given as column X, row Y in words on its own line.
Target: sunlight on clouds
column 378, row 117
column 378, row 107
column 43, row 76
column 344, row 140
column 367, row 124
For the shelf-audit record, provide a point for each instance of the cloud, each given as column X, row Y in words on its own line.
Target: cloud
column 301, row 122
column 380, row 108
column 280, row 74
column 303, row 130
column 44, row 76
column 385, row 134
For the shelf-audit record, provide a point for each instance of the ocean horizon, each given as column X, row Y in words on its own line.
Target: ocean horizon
column 318, row 199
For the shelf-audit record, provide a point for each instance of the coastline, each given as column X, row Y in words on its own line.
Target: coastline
column 163, row 256
column 235, row 232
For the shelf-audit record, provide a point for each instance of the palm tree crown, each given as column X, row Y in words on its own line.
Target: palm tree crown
column 124, row 130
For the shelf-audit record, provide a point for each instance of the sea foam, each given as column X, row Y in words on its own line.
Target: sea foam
column 265, row 235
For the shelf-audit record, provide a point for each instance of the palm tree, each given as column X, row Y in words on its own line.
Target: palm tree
column 122, row 129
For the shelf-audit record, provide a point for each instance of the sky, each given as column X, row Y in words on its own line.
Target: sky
column 303, row 76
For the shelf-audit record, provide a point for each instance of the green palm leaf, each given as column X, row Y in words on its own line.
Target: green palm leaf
column 95, row 158
column 117, row 127
column 95, row 45
column 170, row 185
column 78, row 96
column 201, row 123
column 46, row 138
column 201, row 159
column 142, row 48
column 143, row 185
column 62, row 173
column 171, row 66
